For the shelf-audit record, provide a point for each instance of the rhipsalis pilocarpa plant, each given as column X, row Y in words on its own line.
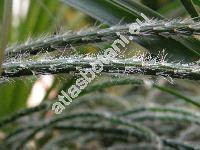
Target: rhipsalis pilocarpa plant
column 100, row 74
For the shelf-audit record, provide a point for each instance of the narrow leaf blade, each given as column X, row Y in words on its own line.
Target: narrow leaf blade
column 188, row 4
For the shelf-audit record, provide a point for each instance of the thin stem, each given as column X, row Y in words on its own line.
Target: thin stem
column 94, row 35
column 122, row 132
column 127, row 81
column 178, row 144
column 138, row 129
column 164, row 109
column 175, row 93
column 165, row 117
column 22, row 113
column 123, row 66
column 110, row 83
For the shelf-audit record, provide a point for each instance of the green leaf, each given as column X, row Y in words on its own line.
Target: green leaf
column 46, row 16
column 177, row 48
column 41, row 18
column 1, row 10
column 27, row 26
column 177, row 94
column 190, row 43
column 197, row 2
column 137, row 8
column 172, row 9
column 13, row 96
column 188, row 4
column 103, row 11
